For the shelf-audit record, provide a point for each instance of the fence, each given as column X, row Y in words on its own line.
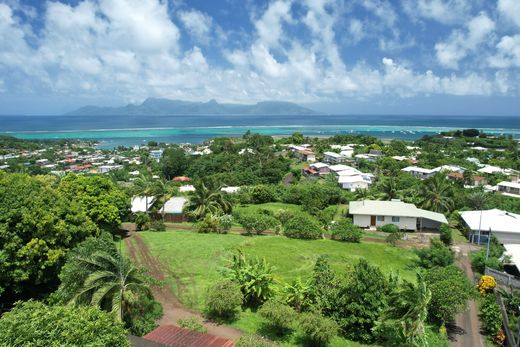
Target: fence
column 504, row 278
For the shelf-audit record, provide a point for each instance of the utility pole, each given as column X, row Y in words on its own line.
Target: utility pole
column 488, row 243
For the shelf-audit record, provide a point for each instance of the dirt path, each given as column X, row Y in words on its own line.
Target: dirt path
column 467, row 330
column 172, row 307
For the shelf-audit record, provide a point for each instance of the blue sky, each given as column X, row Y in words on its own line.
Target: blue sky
column 357, row 56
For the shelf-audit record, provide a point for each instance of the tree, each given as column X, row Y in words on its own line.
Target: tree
column 324, row 286
column 101, row 199
column 445, row 234
column 450, row 290
column 302, row 226
column 145, row 186
column 32, row 323
column 298, row 294
column 206, row 200
column 109, row 283
column 437, row 254
column 318, row 330
column 344, row 230
column 436, row 194
column 360, row 301
column 478, row 200
column 408, row 309
column 38, row 225
column 280, row 317
column 389, row 189
column 174, row 162
column 256, row 223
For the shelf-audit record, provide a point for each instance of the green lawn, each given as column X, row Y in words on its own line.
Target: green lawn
column 197, row 258
column 271, row 206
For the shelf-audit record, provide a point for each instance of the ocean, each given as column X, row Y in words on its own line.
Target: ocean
column 113, row 131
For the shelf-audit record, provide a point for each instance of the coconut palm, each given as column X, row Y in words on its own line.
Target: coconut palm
column 436, row 194
column 208, row 200
column 388, row 188
column 478, row 200
column 409, row 308
column 110, row 283
column 145, row 185
column 163, row 192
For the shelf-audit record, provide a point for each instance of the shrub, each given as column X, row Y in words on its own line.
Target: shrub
column 256, row 222
column 302, row 226
column 214, row 224
column 486, row 284
column 157, row 225
column 280, row 317
column 223, row 299
column 33, row 323
column 435, row 255
column 192, row 324
column 141, row 221
column 251, row 340
column 393, row 238
column 317, row 329
column 326, row 215
column 446, row 234
column 298, row 294
column 344, row 230
column 254, row 277
column 390, row 228
column 490, row 315
column 261, row 194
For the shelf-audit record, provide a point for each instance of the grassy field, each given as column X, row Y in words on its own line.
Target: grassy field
column 270, row 206
column 196, row 260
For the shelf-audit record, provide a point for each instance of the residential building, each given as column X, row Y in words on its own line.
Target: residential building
column 505, row 226
column 419, row 172
column 334, row 158
column 509, row 188
column 172, row 209
column 476, row 181
column 353, row 182
column 141, row 203
column 187, row 188
column 230, row 190
column 372, row 213
column 306, row 155
column 156, row 154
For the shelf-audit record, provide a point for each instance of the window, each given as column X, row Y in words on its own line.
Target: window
column 380, row 218
column 395, row 219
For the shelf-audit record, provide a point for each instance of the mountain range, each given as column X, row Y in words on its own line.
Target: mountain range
column 166, row 107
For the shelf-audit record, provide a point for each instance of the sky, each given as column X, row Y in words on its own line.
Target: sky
column 348, row 57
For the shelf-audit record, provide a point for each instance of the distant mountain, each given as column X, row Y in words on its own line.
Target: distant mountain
column 165, row 107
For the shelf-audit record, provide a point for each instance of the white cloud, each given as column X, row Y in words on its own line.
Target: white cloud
column 270, row 25
column 511, row 10
column 461, row 43
column 508, row 53
column 197, row 24
column 443, row 11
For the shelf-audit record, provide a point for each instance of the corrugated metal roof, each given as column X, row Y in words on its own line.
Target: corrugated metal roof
column 171, row 335
column 175, row 205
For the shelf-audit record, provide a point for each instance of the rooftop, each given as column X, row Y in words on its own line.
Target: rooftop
column 495, row 219
column 393, row 208
column 171, row 335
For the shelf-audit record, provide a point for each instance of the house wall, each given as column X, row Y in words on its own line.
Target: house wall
column 353, row 186
column 430, row 224
column 408, row 223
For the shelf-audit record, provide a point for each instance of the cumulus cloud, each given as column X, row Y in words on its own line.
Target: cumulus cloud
column 131, row 49
column 443, row 11
column 511, row 10
column 461, row 43
column 197, row 24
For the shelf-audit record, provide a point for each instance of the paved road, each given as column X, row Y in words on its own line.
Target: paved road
column 466, row 332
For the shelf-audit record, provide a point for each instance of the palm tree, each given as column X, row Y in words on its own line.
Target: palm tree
column 478, row 200
column 109, row 283
column 205, row 200
column 435, row 193
column 410, row 308
column 364, row 194
column 163, row 192
column 389, row 189
column 145, row 185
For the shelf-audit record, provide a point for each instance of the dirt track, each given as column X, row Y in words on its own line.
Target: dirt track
column 172, row 307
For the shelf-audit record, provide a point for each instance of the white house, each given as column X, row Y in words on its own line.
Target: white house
column 372, row 213
column 502, row 224
column 142, row 203
column 509, row 188
column 186, row 188
column 353, row 182
column 156, row 154
column 334, row 158
column 230, row 190
column 489, row 169
column 420, row 172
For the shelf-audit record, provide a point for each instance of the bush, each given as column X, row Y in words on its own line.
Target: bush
column 318, row 330
column 390, row 228
column 214, row 224
column 141, row 221
column 223, row 299
column 256, row 222
column 435, row 255
column 344, row 230
column 393, row 238
column 33, row 323
column 279, row 316
column 486, row 284
column 302, row 226
column 446, row 234
column 142, row 313
column 261, row 194
column 252, row 340
column 192, row 324
column 490, row 315
column 157, row 225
